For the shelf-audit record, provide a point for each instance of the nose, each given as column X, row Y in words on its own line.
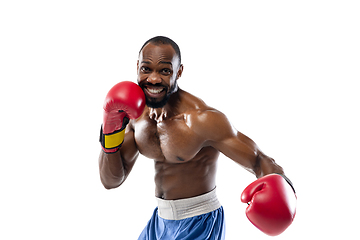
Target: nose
column 154, row 78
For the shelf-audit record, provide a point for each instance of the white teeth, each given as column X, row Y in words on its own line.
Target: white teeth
column 155, row 91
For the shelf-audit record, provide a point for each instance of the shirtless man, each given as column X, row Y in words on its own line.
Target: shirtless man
column 184, row 137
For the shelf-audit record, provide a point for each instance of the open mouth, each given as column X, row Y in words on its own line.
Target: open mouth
column 154, row 91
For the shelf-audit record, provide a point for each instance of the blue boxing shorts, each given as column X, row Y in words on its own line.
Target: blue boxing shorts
column 197, row 218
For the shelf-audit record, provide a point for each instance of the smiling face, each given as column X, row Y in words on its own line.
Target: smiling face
column 158, row 69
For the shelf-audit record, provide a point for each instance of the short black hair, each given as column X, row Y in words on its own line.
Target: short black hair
column 163, row 40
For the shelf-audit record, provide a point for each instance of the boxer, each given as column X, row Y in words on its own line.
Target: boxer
column 184, row 137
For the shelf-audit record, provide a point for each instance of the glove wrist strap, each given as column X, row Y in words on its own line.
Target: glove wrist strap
column 111, row 142
column 288, row 181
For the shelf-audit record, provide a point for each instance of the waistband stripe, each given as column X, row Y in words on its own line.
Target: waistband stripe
column 189, row 207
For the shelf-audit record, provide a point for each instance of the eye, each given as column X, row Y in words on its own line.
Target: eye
column 145, row 69
column 166, row 71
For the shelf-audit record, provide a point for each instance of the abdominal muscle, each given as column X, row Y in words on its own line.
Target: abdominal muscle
column 179, row 180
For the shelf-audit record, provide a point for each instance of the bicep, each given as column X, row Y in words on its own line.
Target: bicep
column 240, row 149
column 221, row 135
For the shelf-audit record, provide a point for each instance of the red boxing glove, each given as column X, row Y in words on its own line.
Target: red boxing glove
column 272, row 203
column 124, row 101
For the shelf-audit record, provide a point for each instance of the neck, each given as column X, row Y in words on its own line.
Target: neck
column 169, row 110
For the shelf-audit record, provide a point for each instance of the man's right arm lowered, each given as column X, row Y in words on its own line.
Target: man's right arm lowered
column 115, row 167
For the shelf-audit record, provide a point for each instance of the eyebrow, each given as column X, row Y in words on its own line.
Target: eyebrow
column 162, row 62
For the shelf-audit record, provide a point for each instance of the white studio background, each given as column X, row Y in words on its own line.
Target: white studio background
column 285, row 73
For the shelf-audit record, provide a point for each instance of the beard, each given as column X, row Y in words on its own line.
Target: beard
column 154, row 102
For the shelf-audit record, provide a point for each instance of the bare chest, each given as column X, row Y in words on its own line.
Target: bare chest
column 170, row 140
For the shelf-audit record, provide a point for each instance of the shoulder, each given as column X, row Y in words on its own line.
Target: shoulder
column 207, row 121
column 210, row 119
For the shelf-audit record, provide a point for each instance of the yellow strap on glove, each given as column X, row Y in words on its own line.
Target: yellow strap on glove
column 112, row 140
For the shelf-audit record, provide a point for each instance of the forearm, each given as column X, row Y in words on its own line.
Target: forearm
column 112, row 171
column 266, row 165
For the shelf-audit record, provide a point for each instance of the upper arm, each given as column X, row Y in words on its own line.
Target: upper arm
column 220, row 134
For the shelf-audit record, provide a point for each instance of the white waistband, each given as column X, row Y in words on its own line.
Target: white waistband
column 189, row 207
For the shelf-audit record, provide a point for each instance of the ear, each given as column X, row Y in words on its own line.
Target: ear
column 180, row 71
column 137, row 66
